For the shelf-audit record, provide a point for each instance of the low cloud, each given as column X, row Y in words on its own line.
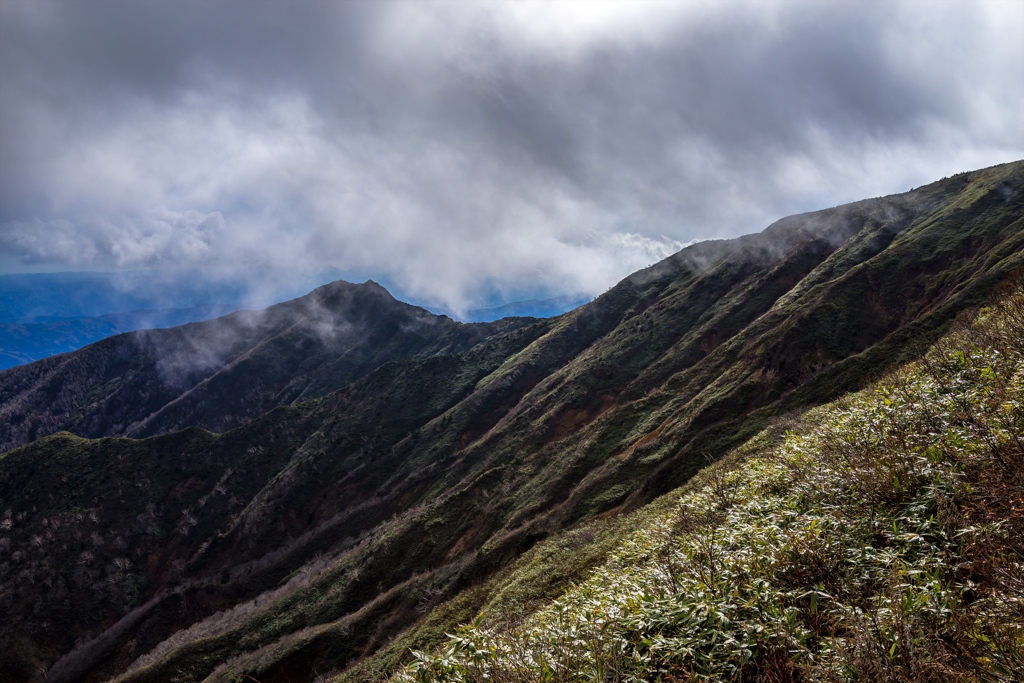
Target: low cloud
column 157, row 237
column 466, row 152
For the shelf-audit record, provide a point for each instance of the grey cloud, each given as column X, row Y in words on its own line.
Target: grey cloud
column 459, row 148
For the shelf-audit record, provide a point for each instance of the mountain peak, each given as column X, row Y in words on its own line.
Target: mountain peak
column 221, row 373
column 341, row 532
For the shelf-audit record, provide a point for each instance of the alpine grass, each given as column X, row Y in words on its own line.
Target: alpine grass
column 882, row 540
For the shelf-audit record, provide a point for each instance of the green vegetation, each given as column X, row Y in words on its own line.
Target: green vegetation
column 456, row 470
column 881, row 542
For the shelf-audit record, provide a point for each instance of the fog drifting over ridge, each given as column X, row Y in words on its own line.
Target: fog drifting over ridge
column 460, row 148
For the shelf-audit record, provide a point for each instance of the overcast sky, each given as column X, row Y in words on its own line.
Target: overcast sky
column 460, row 148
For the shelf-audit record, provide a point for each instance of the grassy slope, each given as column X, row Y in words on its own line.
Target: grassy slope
column 426, row 478
column 882, row 541
column 912, row 253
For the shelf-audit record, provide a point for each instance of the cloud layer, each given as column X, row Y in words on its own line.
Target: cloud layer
column 465, row 151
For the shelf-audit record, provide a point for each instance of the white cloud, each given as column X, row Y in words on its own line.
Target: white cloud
column 158, row 237
column 465, row 150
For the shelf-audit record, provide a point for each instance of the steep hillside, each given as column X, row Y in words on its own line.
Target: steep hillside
column 310, row 538
column 879, row 539
column 222, row 373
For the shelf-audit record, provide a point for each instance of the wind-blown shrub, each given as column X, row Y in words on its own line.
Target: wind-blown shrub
column 883, row 542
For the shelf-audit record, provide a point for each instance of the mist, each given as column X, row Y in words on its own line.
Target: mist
column 468, row 154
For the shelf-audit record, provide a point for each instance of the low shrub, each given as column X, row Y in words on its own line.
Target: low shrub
column 884, row 542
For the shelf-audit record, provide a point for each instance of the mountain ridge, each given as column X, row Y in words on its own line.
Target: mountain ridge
column 777, row 562
column 530, row 308
column 323, row 529
column 166, row 379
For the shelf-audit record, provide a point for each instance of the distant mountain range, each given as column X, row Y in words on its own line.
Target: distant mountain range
column 535, row 308
column 45, row 297
column 315, row 490
column 44, row 314
column 46, row 336
column 222, row 373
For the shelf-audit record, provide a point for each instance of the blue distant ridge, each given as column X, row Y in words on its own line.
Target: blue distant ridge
column 22, row 343
column 534, row 308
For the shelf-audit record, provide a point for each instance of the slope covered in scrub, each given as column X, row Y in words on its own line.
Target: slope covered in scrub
column 334, row 534
column 881, row 540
